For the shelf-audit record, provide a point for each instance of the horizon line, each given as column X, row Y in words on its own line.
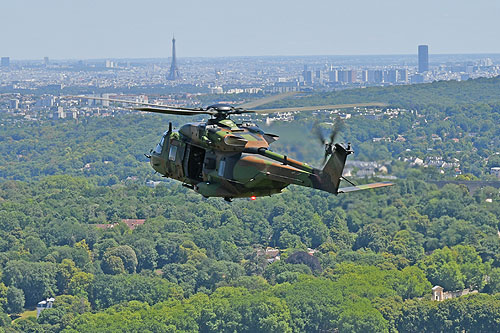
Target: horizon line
column 249, row 56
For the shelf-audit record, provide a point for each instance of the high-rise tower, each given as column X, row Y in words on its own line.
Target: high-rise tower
column 5, row 61
column 423, row 58
column 174, row 71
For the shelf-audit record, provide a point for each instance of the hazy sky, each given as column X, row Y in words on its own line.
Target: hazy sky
column 84, row 29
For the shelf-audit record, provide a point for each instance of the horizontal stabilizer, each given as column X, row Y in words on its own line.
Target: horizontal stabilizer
column 364, row 187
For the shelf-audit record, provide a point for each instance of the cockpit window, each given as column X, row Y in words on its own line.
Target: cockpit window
column 172, row 153
column 159, row 146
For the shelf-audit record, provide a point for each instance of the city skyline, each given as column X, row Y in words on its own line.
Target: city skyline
column 121, row 29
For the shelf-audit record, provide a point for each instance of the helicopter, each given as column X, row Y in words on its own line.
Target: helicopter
column 222, row 158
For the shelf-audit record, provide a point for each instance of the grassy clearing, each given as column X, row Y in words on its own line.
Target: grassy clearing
column 24, row 315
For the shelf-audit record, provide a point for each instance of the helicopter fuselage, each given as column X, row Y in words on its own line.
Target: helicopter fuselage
column 222, row 159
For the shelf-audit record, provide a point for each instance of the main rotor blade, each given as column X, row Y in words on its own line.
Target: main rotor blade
column 338, row 126
column 238, row 111
column 320, row 107
column 131, row 102
column 181, row 112
column 266, row 100
column 316, row 129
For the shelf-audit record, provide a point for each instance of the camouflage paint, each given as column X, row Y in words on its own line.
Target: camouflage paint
column 237, row 162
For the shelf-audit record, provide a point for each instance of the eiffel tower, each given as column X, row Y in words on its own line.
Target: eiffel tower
column 174, row 71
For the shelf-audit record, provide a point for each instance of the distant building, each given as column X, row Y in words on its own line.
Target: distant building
column 438, row 293
column 495, row 172
column 44, row 305
column 364, row 75
column 153, row 184
column 347, row 76
column 133, row 223
column 370, row 76
column 392, row 75
column 216, row 90
column 14, row 104
column 5, row 62
column 46, row 61
column 272, row 255
column 417, row 78
column 105, row 103
column 105, row 226
column 403, row 75
column 282, row 87
column 46, row 101
column 60, row 113
column 423, row 58
column 319, row 76
column 342, row 76
column 308, row 77
column 218, row 75
column 352, row 76
column 486, row 62
column 333, row 76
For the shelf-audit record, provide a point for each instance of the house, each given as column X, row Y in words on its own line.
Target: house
column 44, row 305
column 131, row 224
column 272, row 255
column 418, row 161
column 104, row 226
column 495, row 171
column 438, row 293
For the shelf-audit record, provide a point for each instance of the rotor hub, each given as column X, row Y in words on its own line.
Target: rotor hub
column 223, row 108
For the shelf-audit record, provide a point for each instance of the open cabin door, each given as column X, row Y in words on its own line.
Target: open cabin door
column 193, row 162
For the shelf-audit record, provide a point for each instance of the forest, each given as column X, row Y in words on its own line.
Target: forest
column 361, row 262
column 111, row 149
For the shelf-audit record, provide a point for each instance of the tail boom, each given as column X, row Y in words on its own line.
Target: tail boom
column 329, row 178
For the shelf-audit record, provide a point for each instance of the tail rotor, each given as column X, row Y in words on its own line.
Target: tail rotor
column 328, row 140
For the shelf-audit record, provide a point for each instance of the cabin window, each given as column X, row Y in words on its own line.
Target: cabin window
column 222, row 166
column 172, row 153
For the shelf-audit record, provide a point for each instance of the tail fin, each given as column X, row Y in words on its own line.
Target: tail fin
column 332, row 171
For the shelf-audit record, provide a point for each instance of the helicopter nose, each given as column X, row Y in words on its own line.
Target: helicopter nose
column 156, row 164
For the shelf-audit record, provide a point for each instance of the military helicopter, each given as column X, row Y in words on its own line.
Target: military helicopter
column 222, row 158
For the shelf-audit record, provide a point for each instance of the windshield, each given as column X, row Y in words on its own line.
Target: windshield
column 159, row 146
